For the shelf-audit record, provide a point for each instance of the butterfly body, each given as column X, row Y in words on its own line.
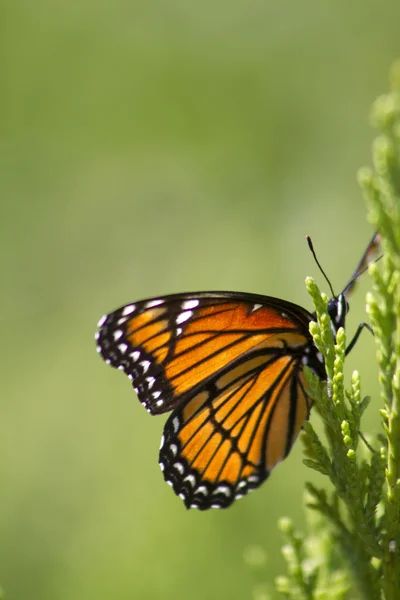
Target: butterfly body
column 230, row 367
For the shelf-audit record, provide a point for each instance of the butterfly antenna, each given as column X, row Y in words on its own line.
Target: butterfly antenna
column 310, row 245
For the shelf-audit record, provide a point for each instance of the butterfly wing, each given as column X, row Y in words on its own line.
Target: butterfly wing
column 224, row 441
column 230, row 367
column 370, row 253
column 171, row 345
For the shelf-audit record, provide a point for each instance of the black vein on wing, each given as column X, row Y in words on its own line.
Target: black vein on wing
column 219, row 426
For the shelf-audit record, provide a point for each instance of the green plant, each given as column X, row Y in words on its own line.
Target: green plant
column 360, row 556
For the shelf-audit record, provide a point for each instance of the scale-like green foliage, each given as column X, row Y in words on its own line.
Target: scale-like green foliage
column 362, row 513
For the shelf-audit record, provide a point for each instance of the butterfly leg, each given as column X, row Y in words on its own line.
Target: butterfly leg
column 357, row 335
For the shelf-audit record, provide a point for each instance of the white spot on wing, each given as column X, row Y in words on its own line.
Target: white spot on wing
column 151, row 381
column 117, row 334
column 223, row 489
column 122, row 321
column 179, row 467
column 191, row 479
column 253, row 479
column 154, row 303
column 188, row 304
column 129, row 309
column 135, row 355
column 123, row 347
column 145, row 364
column 102, row 321
column 183, row 317
column 160, row 402
column 256, row 307
column 175, row 424
column 174, row 449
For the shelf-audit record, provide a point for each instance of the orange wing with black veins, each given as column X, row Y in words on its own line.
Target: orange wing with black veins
column 171, row 346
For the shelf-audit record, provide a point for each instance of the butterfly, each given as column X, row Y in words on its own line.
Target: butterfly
column 230, row 367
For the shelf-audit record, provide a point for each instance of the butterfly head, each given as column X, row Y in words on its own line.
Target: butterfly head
column 338, row 307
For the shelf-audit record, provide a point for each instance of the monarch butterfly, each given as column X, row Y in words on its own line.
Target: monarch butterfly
column 229, row 366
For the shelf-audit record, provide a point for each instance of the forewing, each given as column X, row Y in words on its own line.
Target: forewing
column 171, row 347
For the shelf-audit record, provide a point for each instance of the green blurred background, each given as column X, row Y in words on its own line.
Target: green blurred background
column 149, row 148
